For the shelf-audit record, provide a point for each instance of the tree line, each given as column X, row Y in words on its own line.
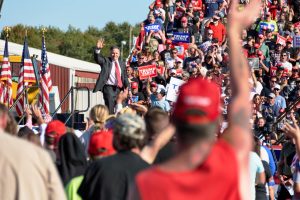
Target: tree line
column 74, row 42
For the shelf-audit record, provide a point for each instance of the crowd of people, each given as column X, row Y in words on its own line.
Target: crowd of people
column 190, row 39
column 211, row 140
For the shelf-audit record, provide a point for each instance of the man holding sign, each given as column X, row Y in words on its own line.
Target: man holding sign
column 268, row 24
column 187, row 30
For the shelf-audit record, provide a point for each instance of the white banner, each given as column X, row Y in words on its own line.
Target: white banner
column 173, row 89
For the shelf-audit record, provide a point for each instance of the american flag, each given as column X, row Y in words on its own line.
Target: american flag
column 46, row 83
column 5, row 79
column 26, row 77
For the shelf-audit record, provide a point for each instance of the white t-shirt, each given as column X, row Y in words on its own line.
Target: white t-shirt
column 256, row 167
column 256, row 90
column 112, row 80
column 287, row 65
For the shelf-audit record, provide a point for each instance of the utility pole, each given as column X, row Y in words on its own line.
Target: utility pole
column 130, row 38
column 122, row 44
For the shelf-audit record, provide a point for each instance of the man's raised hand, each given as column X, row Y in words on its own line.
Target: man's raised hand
column 243, row 18
column 100, row 43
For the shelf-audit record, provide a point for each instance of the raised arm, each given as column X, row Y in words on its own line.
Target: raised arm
column 151, row 150
column 99, row 59
column 239, row 133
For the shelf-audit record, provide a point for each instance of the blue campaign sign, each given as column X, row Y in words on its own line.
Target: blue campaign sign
column 181, row 37
column 266, row 25
column 152, row 27
column 296, row 42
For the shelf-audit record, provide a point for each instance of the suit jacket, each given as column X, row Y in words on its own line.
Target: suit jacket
column 106, row 65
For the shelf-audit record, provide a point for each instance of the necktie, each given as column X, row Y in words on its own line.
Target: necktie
column 118, row 75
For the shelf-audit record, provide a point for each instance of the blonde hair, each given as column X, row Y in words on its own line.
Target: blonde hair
column 98, row 115
column 127, row 110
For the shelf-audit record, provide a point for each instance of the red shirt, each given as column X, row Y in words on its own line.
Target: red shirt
column 216, row 178
column 197, row 4
column 219, row 31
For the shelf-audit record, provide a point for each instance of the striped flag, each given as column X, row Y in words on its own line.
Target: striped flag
column 46, row 83
column 26, row 77
column 5, row 78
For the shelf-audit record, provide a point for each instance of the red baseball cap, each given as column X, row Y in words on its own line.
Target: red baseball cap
column 153, row 84
column 195, row 105
column 101, row 144
column 158, row 3
column 134, row 85
column 168, row 41
column 183, row 19
column 256, row 46
column 290, row 40
column 54, row 130
column 56, row 126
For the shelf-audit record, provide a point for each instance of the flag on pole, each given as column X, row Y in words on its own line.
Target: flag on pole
column 5, row 78
column 26, row 77
column 140, row 40
column 46, row 82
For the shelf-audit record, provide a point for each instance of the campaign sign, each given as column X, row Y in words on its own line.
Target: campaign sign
column 281, row 40
column 273, row 71
column 134, row 99
column 253, row 63
column 297, row 25
column 296, row 41
column 173, row 89
column 267, row 26
column 147, row 71
column 205, row 45
column 152, row 27
column 180, row 50
column 181, row 37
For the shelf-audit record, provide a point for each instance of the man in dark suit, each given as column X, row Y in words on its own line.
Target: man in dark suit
column 113, row 77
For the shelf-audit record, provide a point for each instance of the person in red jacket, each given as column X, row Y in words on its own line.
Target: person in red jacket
column 204, row 167
column 219, row 30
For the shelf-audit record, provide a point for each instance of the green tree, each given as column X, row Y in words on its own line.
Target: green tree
column 73, row 42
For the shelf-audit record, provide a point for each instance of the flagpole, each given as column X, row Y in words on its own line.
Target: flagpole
column 7, row 30
column 25, row 102
column 44, row 30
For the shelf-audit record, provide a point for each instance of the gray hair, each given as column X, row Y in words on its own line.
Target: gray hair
column 129, row 132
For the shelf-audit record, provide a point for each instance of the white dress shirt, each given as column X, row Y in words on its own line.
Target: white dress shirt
column 112, row 80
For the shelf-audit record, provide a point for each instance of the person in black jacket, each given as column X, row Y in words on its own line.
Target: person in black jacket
column 113, row 77
column 110, row 178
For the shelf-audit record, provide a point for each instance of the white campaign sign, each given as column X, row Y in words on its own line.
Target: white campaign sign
column 173, row 89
